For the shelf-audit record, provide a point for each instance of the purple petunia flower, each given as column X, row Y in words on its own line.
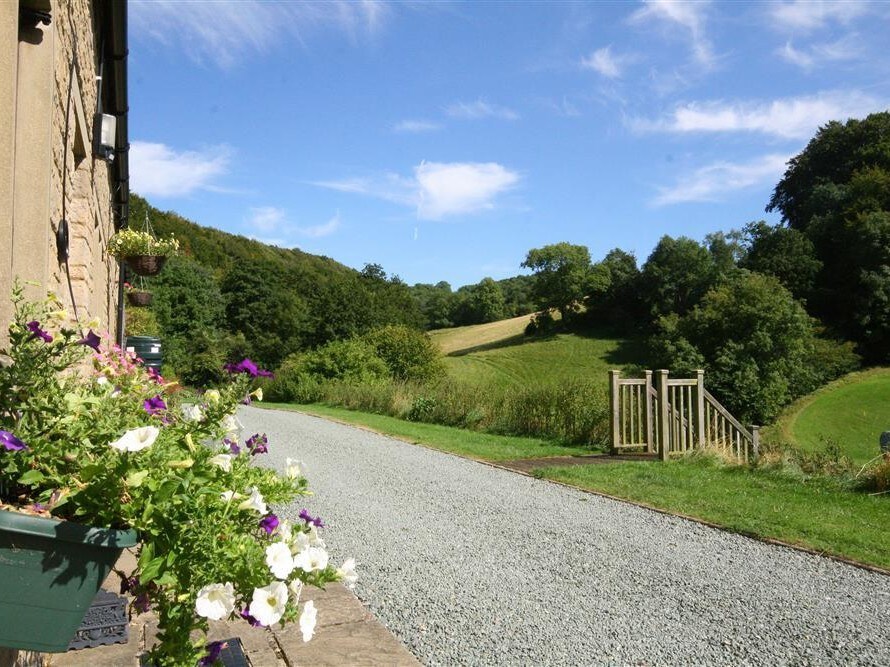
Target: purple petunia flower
column 257, row 444
column 308, row 518
column 250, row 619
column 269, row 523
column 11, row 443
column 247, row 366
column 129, row 584
column 233, row 446
column 154, row 405
column 37, row 332
column 90, row 340
column 141, row 604
column 154, row 375
column 213, row 651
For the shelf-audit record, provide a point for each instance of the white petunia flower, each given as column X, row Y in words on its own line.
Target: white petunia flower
column 294, row 468
column 285, row 530
column 267, row 605
column 279, row 560
column 229, row 496
column 136, row 439
column 102, row 381
column 231, row 426
column 257, row 393
column 212, row 396
column 254, row 502
column 215, row 601
column 347, row 574
column 303, row 541
column 313, row 558
column 296, row 589
column 192, row 413
column 307, row 620
column 224, row 461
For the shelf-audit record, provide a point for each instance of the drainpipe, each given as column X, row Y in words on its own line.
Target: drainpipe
column 115, row 37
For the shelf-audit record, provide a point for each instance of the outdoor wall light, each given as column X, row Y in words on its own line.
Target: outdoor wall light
column 105, row 130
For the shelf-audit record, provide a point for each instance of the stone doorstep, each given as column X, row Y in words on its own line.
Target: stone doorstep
column 346, row 634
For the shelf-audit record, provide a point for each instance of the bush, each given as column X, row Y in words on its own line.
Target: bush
column 354, row 360
column 292, row 384
column 876, row 476
column 141, row 322
column 408, row 354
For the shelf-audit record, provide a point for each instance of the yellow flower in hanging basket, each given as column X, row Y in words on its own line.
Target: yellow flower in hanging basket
column 130, row 243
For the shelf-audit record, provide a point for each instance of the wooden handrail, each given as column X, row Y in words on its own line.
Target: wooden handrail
column 726, row 414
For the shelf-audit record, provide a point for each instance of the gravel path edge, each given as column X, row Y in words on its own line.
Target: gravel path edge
column 636, row 503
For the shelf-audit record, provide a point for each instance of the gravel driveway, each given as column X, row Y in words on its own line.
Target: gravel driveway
column 472, row 565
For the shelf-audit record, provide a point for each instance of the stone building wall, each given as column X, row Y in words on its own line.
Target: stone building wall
column 42, row 177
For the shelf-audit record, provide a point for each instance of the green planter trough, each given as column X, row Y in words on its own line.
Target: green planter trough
column 50, row 572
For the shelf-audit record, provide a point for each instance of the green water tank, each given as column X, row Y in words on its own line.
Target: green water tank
column 147, row 348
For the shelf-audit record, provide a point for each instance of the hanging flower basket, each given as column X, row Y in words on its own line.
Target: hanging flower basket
column 143, row 253
column 139, row 298
column 51, row 571
column 145, row 265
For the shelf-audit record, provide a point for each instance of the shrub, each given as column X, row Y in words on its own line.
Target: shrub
column 876, row 476
column 141, row 322
column 354, row 360
column 292, row 384
column 408, row 354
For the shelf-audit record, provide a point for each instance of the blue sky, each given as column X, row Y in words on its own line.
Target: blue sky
column 444, row 140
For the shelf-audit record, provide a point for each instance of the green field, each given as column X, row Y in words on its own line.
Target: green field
column 852, row 411
column 498, row 354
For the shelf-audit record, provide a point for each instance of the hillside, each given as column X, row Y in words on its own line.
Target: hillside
column 218, row 250
column 498, row 353
column 851, row 411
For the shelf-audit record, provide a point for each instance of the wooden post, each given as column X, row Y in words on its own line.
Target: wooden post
column 700, row 409
column 755, row 441
column 614, row 394
column 650, row 431
column 664, row 422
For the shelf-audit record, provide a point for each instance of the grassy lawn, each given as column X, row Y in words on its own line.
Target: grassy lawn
column 815, row 513
column 852, row 411
column 559, row 357
column 461, row 339
column 482, row 446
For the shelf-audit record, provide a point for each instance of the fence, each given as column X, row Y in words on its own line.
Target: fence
column 674, row 416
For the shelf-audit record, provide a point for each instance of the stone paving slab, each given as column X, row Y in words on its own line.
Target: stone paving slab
column 346, row 634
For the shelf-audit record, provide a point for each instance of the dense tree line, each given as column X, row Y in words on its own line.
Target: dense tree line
column 770, row 312
column 229, row 296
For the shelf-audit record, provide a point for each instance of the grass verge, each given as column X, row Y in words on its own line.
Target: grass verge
column 819, row 513
column 472, row 444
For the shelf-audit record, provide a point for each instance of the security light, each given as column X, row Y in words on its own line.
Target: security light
column 105, row 130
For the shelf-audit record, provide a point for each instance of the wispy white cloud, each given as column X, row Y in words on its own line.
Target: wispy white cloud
column 806, row 15
column 266, row 218
column 688, row 16
column 715, row 181
column 789, row 118
column 158, row 170
column 437, row 190
column 416, row 126
column 563, row 107
column 605, row 62
column 224, row 32
column 846, row 48
column 324, row 229
column 480, row 109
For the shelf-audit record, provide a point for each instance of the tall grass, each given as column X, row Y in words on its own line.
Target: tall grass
column 571, row 411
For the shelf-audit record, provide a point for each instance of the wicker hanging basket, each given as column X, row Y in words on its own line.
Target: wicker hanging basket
column 145, row 265
column 139, row 298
